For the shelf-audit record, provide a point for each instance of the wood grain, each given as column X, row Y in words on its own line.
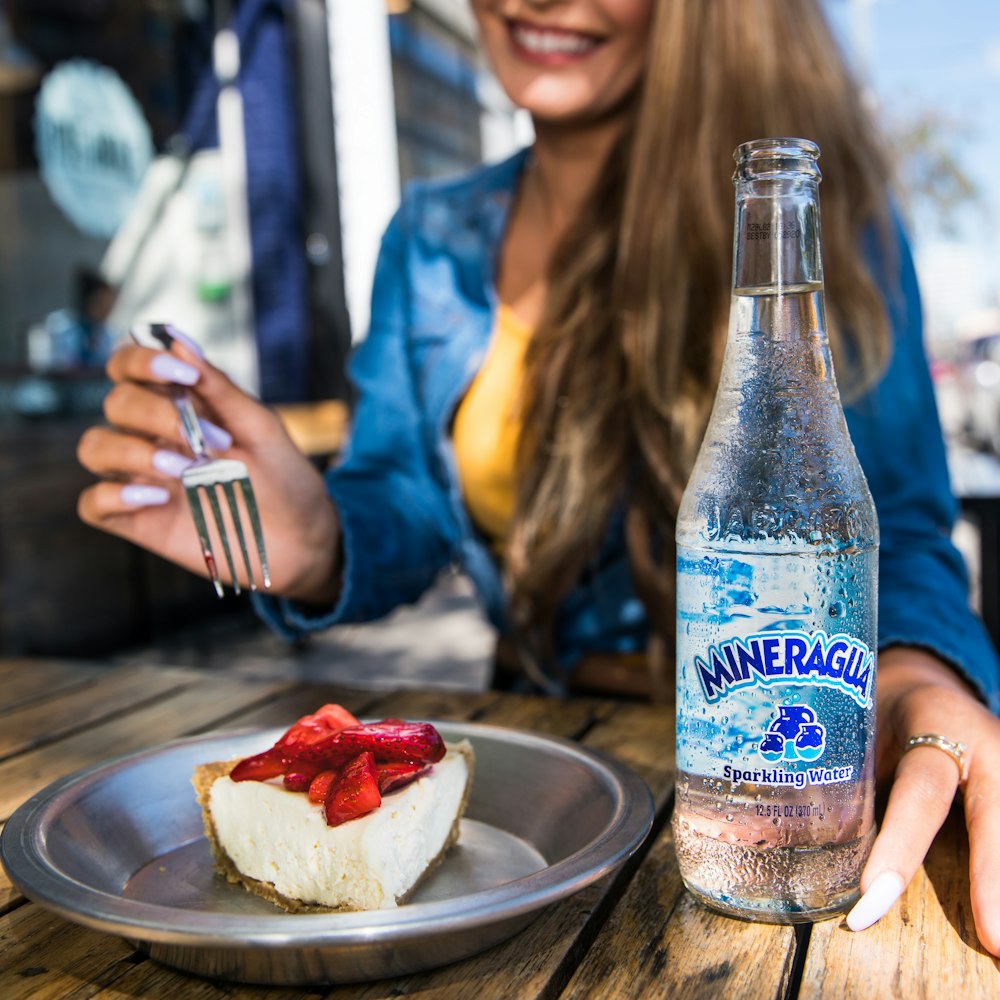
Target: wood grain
column 26, row 680
column 210, row 702
column 924, row 947
column 659, row 942
column 67, row 711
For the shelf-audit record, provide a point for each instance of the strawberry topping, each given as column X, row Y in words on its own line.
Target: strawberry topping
column 390, row 741
column 319, row 787
column 312, row 729
column 355, row 793
column 343, row 764
column 269, row 764
column 392, row 777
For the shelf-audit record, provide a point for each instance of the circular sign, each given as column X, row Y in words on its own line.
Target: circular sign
column 93, row 144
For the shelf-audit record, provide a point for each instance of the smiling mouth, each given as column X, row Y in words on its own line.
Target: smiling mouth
column 550, row 44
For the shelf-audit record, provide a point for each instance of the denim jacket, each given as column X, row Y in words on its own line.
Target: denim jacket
column 398, row 494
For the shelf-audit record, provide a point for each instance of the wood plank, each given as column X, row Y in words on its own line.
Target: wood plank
column 43, row 957
column 149, row 979
column 641, row 736
column 543, row 715
column 281, row 710
column 210, row 703
column 659, row 942
column 68, row 711
column 436, row 704
column 27, row 679
column 924, row 947
column 533, row 964
column 9, row 896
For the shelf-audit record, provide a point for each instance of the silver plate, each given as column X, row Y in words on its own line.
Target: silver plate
column 120, row 847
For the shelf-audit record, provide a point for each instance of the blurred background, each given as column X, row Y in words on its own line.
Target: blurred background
column 229, row 165
column 931, row 72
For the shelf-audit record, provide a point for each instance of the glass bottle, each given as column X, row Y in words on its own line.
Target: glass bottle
column 777, row 563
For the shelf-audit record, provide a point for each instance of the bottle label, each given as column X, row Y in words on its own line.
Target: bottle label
column 757, row 713
column 776, row 669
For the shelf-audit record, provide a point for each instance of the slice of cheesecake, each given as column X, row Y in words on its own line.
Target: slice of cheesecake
column 277, row 842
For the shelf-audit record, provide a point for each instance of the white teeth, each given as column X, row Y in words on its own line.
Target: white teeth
column 546, row 42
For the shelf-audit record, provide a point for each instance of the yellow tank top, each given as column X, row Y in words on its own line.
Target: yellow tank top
column 487, row 427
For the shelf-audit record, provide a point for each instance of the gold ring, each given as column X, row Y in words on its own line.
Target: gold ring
column 954, row 749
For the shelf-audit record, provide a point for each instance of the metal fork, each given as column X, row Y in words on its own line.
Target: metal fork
column 208, row 476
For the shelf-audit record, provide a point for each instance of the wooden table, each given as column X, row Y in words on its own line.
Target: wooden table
column 634, row 934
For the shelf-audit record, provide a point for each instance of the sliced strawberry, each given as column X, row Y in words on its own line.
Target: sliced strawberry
column 393, row 777
column 311, row 729
column 325, row 755
column 298, row 780
column 260, row 767
column 355, row 792
column 319, row 787
column 391, row 741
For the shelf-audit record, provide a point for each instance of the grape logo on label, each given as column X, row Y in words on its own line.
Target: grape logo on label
column 794, row 735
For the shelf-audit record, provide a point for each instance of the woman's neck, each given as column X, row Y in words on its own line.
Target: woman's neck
column 563, row 169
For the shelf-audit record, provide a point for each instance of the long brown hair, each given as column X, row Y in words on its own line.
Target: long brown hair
column 621, row 372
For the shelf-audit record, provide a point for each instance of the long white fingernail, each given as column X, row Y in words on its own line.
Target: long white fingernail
column 138, row 495
column 215, row 437
column 172, row 369
column 170, row 462
column 876, row 902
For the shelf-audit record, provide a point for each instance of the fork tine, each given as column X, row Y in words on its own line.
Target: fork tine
column 252, row 512
column 198, row 514
column 234, row 510
column 213, row 502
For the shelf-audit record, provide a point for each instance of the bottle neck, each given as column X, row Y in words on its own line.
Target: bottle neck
column 776, row 242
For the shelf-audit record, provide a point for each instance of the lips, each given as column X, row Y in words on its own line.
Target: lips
column 551, row 46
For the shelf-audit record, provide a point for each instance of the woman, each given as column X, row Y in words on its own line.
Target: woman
column 544, row 347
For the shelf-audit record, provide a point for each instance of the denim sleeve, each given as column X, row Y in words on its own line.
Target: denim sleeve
column 397, row 528
column 923, row 583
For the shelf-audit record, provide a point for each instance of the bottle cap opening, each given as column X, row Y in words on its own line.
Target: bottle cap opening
column 776, row 157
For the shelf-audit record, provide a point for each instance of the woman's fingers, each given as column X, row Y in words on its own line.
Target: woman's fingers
column 919, row 695
column 982, row 815
column 137, row 408
column 98, row 503
column 921, row 797
column 142, row 373
column 109, row 453
column 132, row 363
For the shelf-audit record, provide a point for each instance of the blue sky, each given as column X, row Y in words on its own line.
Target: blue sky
column 943, row 57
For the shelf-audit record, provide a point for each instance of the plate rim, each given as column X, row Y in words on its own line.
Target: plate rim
column 26, row 863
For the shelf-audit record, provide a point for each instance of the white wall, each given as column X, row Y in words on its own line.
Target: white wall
column 367, row 158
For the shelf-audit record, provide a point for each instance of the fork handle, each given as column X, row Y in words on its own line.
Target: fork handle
column 189, row 423
column 159, row 337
